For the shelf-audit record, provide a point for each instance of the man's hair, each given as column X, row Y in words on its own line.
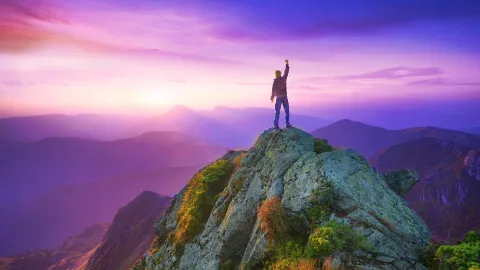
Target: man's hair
column 278, row 74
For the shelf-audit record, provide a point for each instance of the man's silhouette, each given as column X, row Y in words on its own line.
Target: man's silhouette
column 279, row 90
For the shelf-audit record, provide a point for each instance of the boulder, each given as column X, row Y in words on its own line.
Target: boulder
column 401, row 181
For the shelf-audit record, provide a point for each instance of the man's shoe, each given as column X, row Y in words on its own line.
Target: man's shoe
column 276, row 128
column 289, row 125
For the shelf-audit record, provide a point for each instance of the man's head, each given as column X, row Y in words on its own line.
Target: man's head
column 278, row 74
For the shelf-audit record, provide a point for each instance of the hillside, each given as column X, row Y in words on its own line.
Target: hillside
column 286, row 204
column 68, row 255
column 102, row 246
column 62, row 161
column 130, row 234
column 64, row 211
column 446, row 197
column 369, row 140
column 88, row 126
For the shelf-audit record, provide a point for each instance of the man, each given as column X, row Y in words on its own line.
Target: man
column 279, row 90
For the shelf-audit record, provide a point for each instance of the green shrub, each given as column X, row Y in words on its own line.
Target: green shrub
column 216, row 171
column 318, row 213
column 325, row 194
column 427, row 256
column 283, row 253
column 464, row 256
column 321, row 146
column 322, row 204
column 198, row 200
column 334, row 237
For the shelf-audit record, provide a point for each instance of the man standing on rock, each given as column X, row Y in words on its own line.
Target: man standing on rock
column 279, row 90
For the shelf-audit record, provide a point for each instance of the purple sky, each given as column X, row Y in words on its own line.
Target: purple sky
column 145, row 56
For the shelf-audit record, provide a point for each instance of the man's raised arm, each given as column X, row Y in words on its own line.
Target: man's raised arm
column 287, row 68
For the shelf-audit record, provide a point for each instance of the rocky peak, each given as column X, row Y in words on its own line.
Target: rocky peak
column 214, row 222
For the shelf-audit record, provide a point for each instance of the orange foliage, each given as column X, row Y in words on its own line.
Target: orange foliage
column 291, row 264
column 327, row 265
column 305, row 264
column 238, row 159
column 272, row 219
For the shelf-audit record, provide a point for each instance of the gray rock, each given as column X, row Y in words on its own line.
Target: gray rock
column 401, row 181
column 284, row 164
column 384, row 259
column 276, row 190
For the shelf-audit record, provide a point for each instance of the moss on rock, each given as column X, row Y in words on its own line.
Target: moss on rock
column 198, row 200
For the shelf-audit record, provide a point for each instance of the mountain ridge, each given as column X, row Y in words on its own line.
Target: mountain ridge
column 446, row 194
column 369, row 140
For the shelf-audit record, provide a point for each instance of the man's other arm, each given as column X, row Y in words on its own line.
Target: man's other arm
column 273, row 91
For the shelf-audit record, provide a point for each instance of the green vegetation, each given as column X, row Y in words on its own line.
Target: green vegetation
column 198, row 200
column 333, row 237
column 322, row 205
column 463, row 256
column 321, row 146
column 292, row 248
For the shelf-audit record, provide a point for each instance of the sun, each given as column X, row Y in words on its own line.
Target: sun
column 159, row 96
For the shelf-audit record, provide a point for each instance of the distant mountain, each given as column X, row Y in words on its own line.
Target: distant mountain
column 54, row 162
column 446, row 196
column 253, row 121
column 185, row 120
column 71, row 254
column 66, row 210
column 369, row 140
column 89, row 126
column 131, row 233
column 475, row 130
column 29, row 170
column 229, row 127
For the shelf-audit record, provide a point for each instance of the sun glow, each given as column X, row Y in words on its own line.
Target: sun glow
column 160, row 95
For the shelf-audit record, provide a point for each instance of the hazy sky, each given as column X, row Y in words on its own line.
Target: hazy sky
column 144, row 56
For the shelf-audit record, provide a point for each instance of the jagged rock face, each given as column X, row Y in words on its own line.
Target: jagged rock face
column 472, row 164
column 401, row 181
column 284, row 164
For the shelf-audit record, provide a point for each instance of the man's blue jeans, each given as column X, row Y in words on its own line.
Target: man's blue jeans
column 278, row 105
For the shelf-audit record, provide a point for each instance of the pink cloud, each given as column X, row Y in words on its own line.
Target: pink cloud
column 442, row 82
column 394, row 73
